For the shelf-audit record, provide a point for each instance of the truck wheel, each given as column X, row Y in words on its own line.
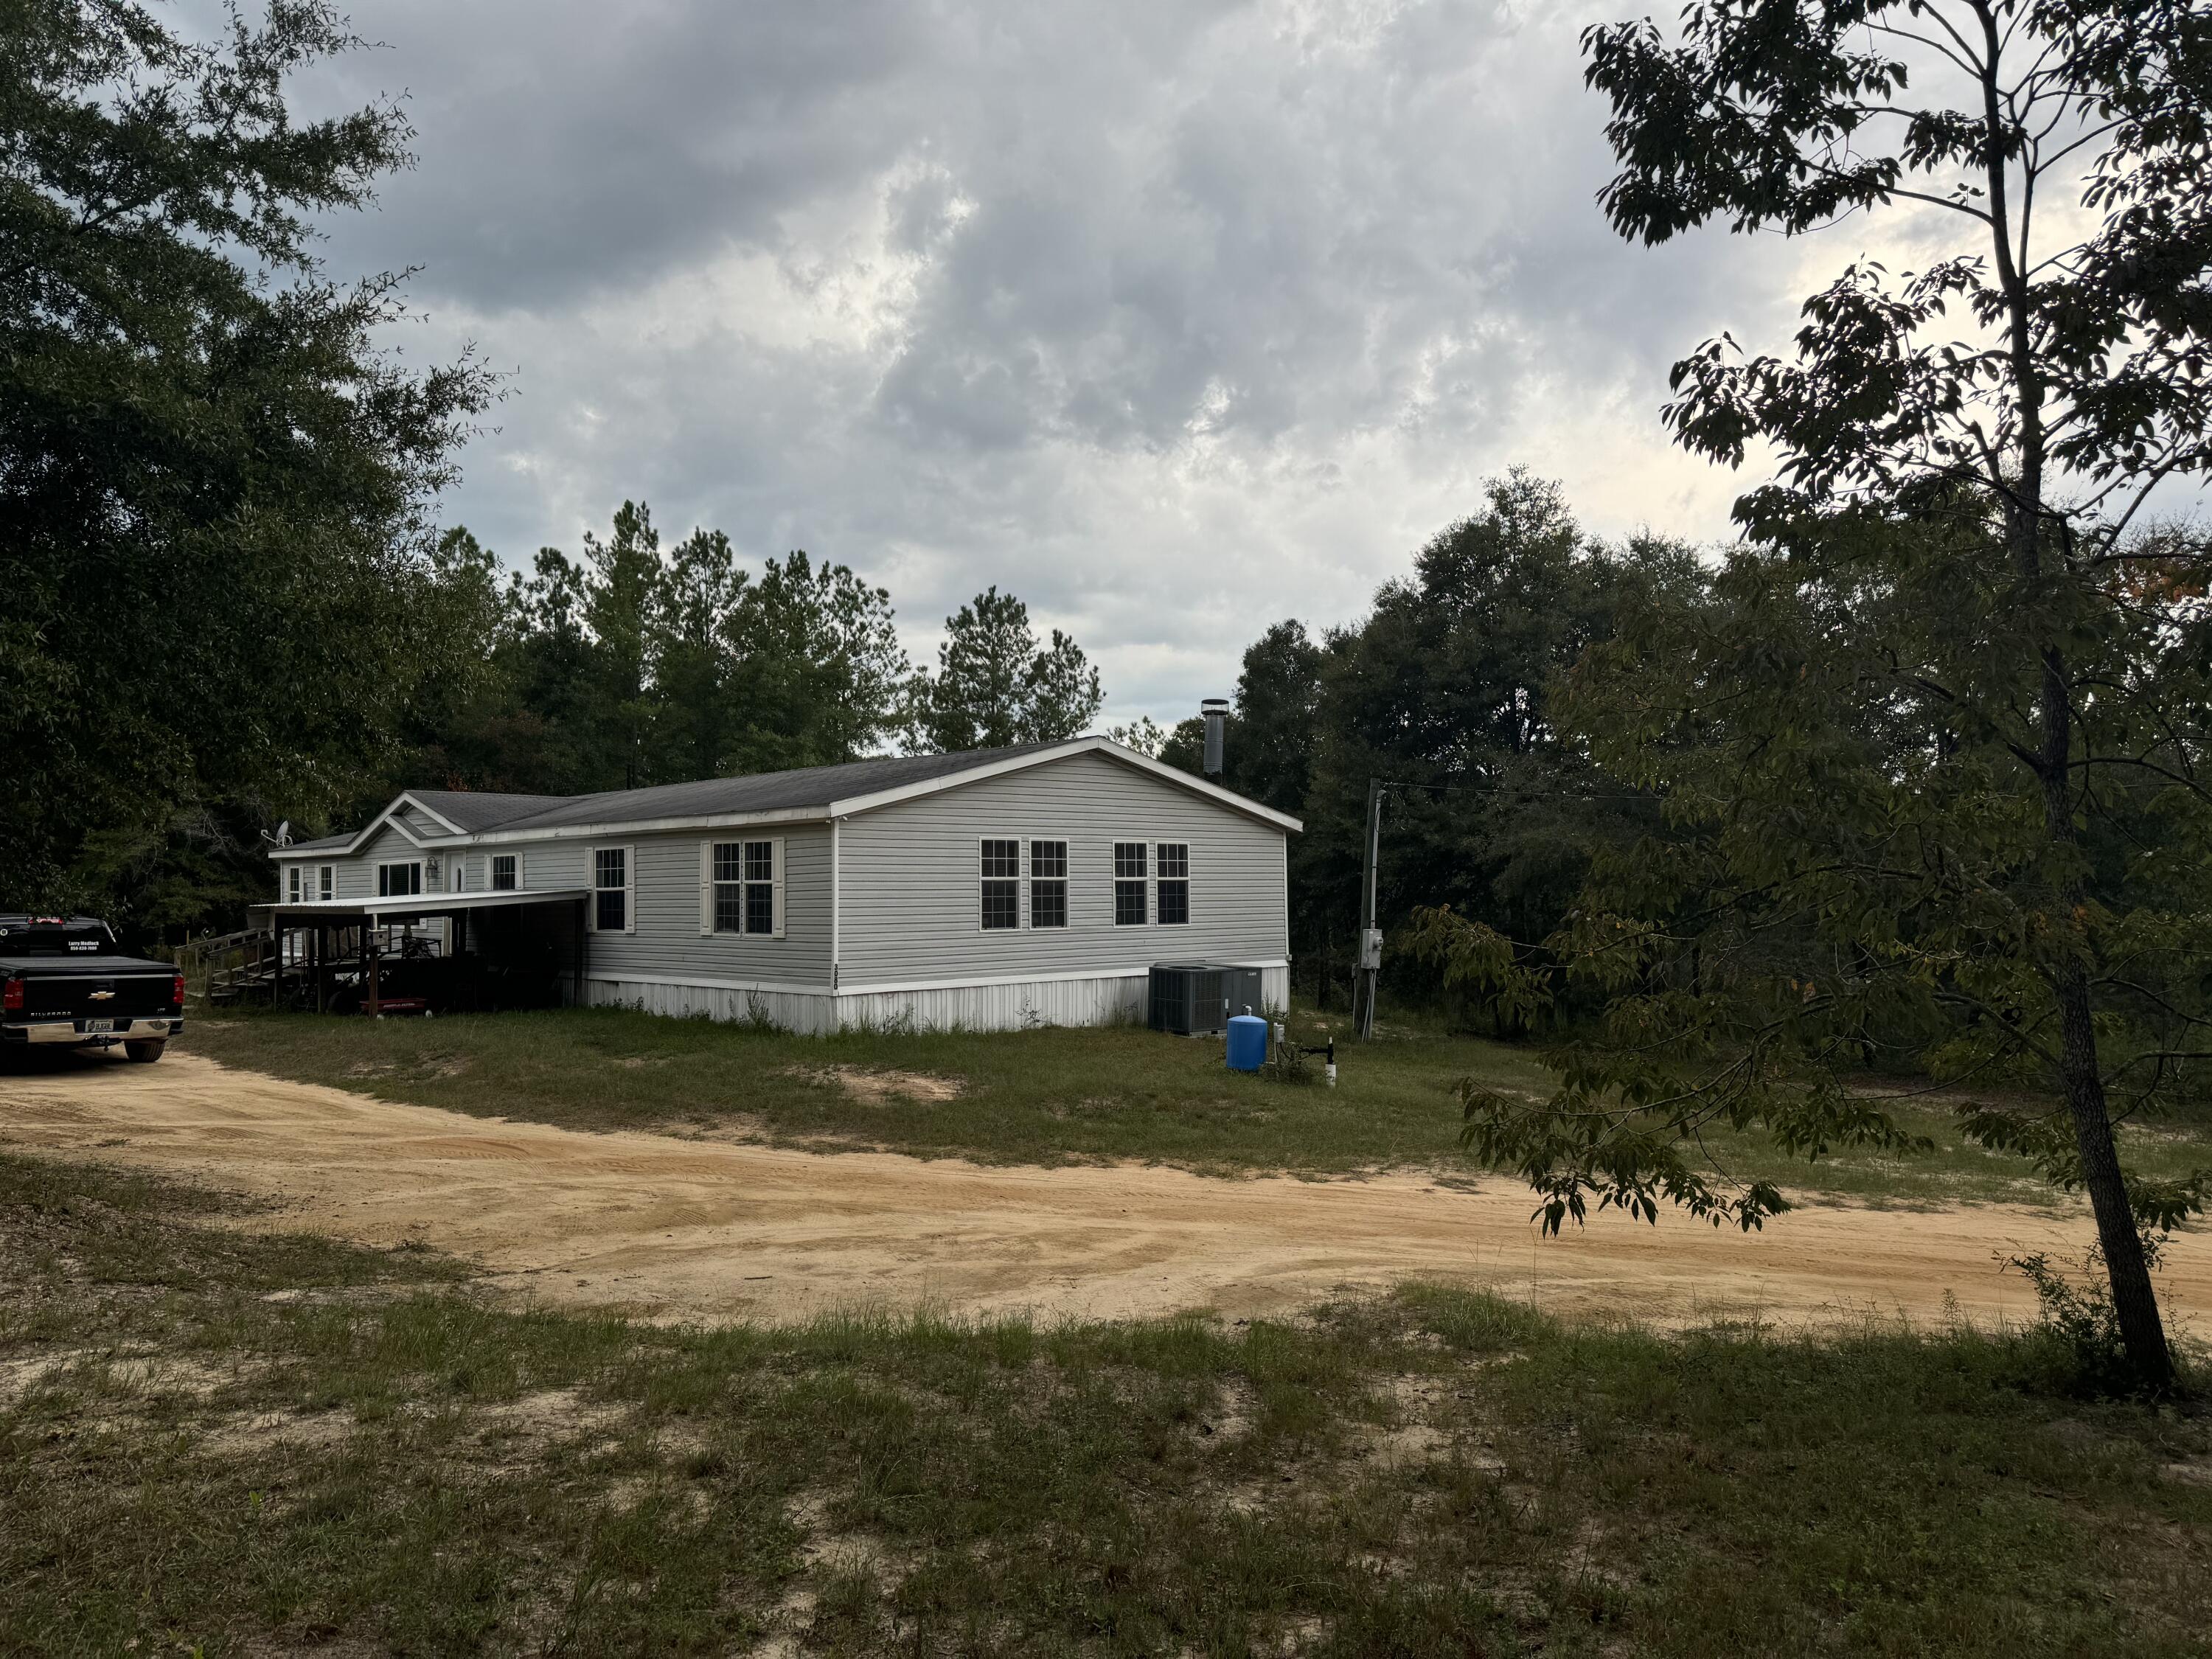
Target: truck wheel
column 144, row 1053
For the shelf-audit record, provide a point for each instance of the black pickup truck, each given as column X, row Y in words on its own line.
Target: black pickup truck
column 62, row 980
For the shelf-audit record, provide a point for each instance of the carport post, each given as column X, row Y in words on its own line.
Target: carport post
column 583, row 944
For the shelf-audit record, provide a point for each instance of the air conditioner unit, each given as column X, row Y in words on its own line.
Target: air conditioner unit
column 1191, row 998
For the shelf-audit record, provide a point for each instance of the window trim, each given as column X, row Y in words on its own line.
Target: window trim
column 296, row 884
column 1158, row 879
column 629, row 889
column 1021, row 909
column 1066, row 878
column 383, row 887
column 491, row 872
column 327, row 882
column 1114, row 868
column 777, row 885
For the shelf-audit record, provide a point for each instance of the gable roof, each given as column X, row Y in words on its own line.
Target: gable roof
column 470, row 810
column 806, row 795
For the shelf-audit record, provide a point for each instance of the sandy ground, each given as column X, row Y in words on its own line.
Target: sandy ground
column 706, row 1229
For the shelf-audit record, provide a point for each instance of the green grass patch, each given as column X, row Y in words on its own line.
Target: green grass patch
column 196, row 1456
column 1053, row 1096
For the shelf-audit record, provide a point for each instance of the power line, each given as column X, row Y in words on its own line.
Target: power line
column 1511, row 789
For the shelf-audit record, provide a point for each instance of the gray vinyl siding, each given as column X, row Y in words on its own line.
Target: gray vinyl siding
column 357, row 875
column 664, row 886
column 908, row 878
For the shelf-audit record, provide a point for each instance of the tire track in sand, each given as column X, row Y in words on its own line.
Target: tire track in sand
column 702, row 1229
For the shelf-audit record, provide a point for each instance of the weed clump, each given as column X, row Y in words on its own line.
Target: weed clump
column 2076, row 1316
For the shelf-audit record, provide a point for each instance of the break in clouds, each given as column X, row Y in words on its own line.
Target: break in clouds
column 1174, row 318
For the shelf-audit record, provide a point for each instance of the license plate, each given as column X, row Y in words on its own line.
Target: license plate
column 92, row 1025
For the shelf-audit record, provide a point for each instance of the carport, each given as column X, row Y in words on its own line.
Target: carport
column 323, row 921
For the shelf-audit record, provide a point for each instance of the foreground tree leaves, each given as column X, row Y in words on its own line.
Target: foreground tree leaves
column 1930, row 730
column 216, row 595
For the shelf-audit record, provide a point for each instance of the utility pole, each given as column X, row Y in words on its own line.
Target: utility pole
column 1371, row 936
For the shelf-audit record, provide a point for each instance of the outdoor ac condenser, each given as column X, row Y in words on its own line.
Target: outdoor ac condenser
column 1189, row 997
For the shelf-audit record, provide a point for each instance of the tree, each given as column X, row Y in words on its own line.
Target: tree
column 1267, row 736
column 622, row 592
column 213, row 482
column 2012, row 394
column 1142, row 734
column 1445, row 692
column 995, row 687
column 818, row 675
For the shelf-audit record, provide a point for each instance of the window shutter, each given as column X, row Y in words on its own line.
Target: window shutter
column 777, row 873
column 706, row 888
column 629, row 889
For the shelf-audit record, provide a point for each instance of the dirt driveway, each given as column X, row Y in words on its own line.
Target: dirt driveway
column 685, row 1227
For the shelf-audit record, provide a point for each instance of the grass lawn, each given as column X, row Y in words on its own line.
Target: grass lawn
column 1042, row 1096
column 215, row 1443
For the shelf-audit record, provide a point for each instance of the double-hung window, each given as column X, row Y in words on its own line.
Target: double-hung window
column 1172, row 861
column 293, row 893
column 506, row 875
column 741, row 888
column 327, row 882
column 399, row 880
column 611, row 908
column 1130, row 909
column 1047, row 883
column 1001, row 883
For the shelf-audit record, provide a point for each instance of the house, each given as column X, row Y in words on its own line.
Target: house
column 987, row 889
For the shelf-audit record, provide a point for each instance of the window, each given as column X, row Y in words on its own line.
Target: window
column 741, row 878
column 1047, row 883
column 504, row 877
column 1129, row 907
column 1002, row 884
column 1174, row 867
column 760, row 886
column 292, row 883
column 399, row 880
column 327, row 882
column 610, row 905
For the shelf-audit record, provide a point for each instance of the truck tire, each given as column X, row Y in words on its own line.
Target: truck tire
column 144, row 1053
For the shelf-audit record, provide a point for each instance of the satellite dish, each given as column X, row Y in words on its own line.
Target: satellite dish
column 283, row 836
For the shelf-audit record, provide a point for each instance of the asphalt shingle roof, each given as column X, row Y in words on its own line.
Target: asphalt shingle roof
column 475, row 808
column 765, row 791
column 809, row 787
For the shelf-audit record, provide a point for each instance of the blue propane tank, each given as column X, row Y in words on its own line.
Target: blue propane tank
column 1248, row 1042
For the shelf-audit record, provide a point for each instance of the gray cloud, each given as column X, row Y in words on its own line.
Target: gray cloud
column 1173, row 318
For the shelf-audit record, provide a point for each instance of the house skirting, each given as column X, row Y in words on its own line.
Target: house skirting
column 993, row 1006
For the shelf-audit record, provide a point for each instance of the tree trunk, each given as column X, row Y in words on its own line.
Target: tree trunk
column 2135, row 1303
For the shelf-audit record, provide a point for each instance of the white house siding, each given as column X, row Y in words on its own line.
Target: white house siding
column 357, row 875
column 908, row 876
column 667, row 947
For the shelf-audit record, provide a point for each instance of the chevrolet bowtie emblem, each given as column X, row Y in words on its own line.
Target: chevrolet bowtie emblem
column 102, row 996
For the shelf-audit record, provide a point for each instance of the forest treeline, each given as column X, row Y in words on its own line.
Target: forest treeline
column 635, row 664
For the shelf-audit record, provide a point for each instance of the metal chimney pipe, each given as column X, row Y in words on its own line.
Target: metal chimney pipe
column 1214, row 711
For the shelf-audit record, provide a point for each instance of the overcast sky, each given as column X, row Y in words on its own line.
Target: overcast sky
column 1174, row 318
